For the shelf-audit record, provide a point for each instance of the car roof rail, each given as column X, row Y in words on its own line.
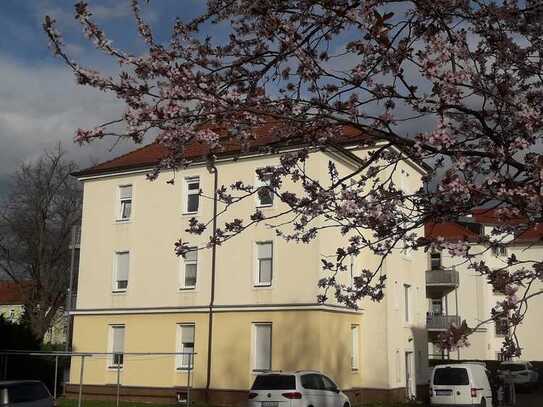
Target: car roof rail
column 307, row 370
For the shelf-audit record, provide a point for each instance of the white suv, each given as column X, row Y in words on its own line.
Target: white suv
column 518, row 372
column 303, row 388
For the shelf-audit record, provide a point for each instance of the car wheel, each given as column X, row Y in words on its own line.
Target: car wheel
column 483, row 402
column 346, row 405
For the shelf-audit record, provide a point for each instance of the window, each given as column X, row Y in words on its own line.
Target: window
column 186, row 346
column 190, row 269
column 451, row 376
column 122, row 266
column 312, row 381
column 406, row 290
column 125, row 207
column 274, row 382
column 329, row 385
column 435, row 261
column 354, row 339
column 502, row 326
column 262, row 346
column 499, row 251
column 117, row 346
column 265, row 191
column 192, row 194
column 264, row 263
column 437, row 306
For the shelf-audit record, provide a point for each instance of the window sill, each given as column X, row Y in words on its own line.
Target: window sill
column 123, row 221
column 115, row 368
column 187, row 289
column 265, row 206
column 119, row 292
column 190, row 213
column 184, row 369
column 262, row 286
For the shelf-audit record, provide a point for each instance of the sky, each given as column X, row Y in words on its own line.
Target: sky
column 40, row 103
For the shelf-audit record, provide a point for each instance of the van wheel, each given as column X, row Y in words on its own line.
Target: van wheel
column 483, row 402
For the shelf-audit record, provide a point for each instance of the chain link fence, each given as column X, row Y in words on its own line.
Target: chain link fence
column 53, row 368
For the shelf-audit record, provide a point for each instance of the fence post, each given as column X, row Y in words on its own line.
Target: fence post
column 188, row 379
column 56, row 375
column 81, row 380
column 118, row 383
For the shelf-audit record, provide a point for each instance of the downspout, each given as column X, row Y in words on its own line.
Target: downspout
column 213, row 170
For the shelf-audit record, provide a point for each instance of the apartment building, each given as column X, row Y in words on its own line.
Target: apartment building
column 456, row 293
column 135, row 295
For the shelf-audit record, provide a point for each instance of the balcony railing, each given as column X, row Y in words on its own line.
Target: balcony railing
column 447, row 277
column 436, row 322
column 75, row 240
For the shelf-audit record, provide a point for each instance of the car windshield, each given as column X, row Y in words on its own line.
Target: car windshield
column 513, row 367
column 452, row 376
column 25, row 392
column 274, row 382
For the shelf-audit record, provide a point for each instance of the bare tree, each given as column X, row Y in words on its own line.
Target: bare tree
column 36, row 219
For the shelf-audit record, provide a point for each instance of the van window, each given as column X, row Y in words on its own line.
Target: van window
column 452, row 376
column 274, row 382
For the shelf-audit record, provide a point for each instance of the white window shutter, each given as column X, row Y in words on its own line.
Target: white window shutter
column 125, row 192
column 263, row 347
column 265, row 250
column 123, row 265
column 118, row 339
column 187, row 334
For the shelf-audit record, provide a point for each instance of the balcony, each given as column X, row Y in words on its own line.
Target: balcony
column 439, row 323
column 441, row 282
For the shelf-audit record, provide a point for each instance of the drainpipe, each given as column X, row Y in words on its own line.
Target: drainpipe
column 213, row 170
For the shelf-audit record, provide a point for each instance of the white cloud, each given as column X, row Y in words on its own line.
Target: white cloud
column 41, row 106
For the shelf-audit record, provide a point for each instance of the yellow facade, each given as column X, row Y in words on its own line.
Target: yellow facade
column 305, row 335
column 312, row 339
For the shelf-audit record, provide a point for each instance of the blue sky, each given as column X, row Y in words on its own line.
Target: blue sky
column 40, row 104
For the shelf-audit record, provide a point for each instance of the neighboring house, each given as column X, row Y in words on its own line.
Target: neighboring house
column 12, row 309
column 11, row 301
column 135, row 295
column 456, row 293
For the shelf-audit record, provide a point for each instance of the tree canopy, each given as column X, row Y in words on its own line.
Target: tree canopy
column 453, row 83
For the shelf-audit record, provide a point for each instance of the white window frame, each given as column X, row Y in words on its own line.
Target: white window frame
column 355, row 344
column 121, row 201
column 111, row 357
column 407, row 303
column 181, row 364
column 259, row 184
column 183, row 269
column 255, row 326
column 187, row 192
column 257, row 282
column 114, row 286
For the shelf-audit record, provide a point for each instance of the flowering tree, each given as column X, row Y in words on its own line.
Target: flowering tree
column 467, row 72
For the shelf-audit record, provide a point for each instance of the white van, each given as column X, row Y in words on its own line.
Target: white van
column 461, row 384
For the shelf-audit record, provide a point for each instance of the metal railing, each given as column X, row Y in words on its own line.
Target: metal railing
column 75, row 240
column 14, row 357
column 447, row 277
column 436, row 322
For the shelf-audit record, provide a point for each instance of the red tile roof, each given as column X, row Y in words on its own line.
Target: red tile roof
column 449, row 231
column 457, row 231
column 151, row 154
column 11, row 293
